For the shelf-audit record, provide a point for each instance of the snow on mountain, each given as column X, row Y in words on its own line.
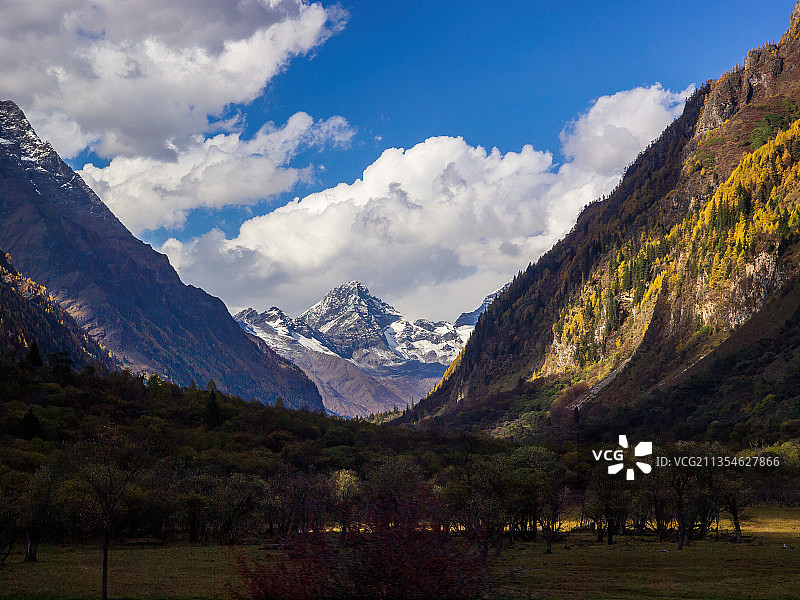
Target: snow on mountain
column 426, row 341
column 282, row 333
column 404, row 358
column 470, row 319
column 366, row 329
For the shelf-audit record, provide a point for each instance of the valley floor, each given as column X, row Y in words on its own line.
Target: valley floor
column 579, row 568
column 641, row 567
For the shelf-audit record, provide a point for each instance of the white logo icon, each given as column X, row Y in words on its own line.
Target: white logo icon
column 641, row 449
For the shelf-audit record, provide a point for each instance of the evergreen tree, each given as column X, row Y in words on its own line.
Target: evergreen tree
column 213, row 414
column 34, row 358
column 30, row 427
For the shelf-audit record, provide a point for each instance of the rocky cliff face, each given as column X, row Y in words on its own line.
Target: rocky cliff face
column 364, row 356
column 126, row 295
column 767, row 71
column 758, row 79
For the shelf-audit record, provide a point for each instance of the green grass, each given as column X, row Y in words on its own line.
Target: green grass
column 176, row 571
column 641, row 567
column 579, row 568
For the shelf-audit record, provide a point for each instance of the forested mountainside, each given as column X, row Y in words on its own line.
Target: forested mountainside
column 125, row 294
column 700, row 234
column 29, row 315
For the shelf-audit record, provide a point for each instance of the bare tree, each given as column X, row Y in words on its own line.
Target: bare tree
column 107, row 464
column 682, row 482
column 608, row 500
column 655, row 493
column 38, row 506
column 732, row 494
column 552, row 495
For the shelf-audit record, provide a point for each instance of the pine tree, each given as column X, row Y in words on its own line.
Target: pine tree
column 213, row 413
column 34, row 358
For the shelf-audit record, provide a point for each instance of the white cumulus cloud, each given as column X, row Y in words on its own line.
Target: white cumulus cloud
column 150, row 85
column 432, row 228
column 146, row 193
column 141, row 78
column 619, row 126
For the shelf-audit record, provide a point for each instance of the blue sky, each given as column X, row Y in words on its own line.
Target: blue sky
column 505, row 74
column 342, row 86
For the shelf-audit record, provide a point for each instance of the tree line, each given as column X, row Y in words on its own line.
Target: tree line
column 351, row 506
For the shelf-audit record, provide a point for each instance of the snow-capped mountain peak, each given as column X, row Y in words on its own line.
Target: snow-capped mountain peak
column 347, row 307
column 407, row 357
column 37, row 153
column 365, row 328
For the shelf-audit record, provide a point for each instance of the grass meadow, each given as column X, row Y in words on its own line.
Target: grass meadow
column 579, row 567
column 642, row 567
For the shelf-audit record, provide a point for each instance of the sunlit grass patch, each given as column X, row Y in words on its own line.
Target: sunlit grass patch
column 773, row 520
column 641, row 567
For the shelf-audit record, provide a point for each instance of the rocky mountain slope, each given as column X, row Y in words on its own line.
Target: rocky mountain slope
column 28, row 314
column 126, row 295
column 364, row 356
column 698, row 239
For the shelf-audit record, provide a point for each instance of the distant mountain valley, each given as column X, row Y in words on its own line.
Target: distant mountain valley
column 364, row 356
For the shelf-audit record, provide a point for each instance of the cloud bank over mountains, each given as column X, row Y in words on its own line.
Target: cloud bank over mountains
column 159, row 92
column 433, row 227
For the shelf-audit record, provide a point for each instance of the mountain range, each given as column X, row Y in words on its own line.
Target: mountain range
column 364, row 356
column 673, row 303
column 124, row 294
column 121, row 305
